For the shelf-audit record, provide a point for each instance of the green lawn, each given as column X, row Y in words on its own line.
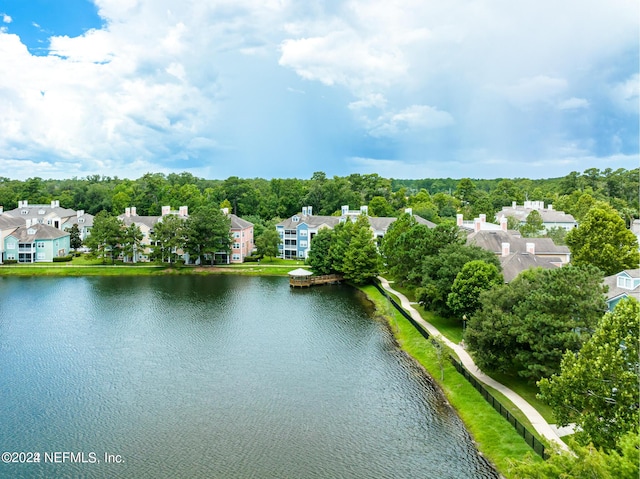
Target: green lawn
column 495, row 437
column 87, row 266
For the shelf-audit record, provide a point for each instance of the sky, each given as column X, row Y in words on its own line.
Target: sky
column 284, row 88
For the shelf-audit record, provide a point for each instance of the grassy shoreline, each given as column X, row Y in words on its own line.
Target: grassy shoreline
column 494, row 436
column 145, row 269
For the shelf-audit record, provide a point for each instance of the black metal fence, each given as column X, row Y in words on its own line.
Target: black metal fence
column 529, row 438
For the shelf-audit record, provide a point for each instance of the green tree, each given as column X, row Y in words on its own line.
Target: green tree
column 267, row 243
column 474, row 278
column 361, row 261
column 603, row 241
column 130, row 239
column 440, row 271
column 343, row 232
column 379, row 206
column 584, row 462
column 207, row 232
column 525, row 326
column 533, row 225
column 169, row 235
column 105, row 236
column 74, row 237
column 597, row 388
column 319, row 259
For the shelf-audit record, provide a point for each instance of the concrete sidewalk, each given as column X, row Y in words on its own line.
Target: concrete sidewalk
column 537, row 421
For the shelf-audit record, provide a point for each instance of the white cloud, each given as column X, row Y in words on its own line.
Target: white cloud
column 626, row 94
column 415, row 117
column 160, row 83
column 573, row 103
column 529, row 91
column 6, row 18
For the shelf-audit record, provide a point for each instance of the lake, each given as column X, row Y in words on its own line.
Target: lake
column 214, row 377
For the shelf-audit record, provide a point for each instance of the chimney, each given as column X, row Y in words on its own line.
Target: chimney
column 483, row 218
column 127, row 212
column 364, row 210
column 531, row 248
column 22, row 204
column 514, row 204
column 527, row 204
column 345, row 210
column 304, row 211
column 503, row 223
column 183, row 211
column 166, row 210
column 409, row 211
column 133, row 211
column 79, row 213
column 477, row 224
column 1, row 209
column 29, row 222
column 506, row 249
column 310, row 210
column 459, row 219
column 53, row 204
column 225, row 211
column 550, row 207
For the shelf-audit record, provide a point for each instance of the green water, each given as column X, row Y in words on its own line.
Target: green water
column 214, row 377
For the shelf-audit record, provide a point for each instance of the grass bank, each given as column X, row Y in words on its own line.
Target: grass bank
column 495, row 437
column 83, row 266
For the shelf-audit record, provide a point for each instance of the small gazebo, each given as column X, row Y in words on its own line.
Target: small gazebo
column 300, row 277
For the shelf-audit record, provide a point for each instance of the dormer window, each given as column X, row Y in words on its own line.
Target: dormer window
column 41, row 212
column 24, row 212
column 80, row 220
column 31, row 231
column 295, row 219
column 625, row 283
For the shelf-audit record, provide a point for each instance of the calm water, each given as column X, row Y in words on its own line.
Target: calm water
column 214, row 377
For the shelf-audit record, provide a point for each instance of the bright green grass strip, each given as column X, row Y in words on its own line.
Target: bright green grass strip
column 528, row 391
column 495, row 437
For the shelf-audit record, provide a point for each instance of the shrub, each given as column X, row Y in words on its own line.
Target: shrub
column 62, row 259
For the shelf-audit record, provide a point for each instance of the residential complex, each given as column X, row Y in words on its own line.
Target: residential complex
column 297, row 232
column 550, row 218
column 624, row 284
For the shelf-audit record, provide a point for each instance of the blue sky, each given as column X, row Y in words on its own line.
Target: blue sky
column 283, row 88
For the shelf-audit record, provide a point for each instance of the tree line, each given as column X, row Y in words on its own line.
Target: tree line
column 433, row 199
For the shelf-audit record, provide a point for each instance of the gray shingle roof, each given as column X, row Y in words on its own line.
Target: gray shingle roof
column 378, row 223
column 515, row 263
column 548, row 216
column 615, row 290
column 492, row 241
column 40, row 232
column 9, row 222
column 148, row 221
column 239, row 223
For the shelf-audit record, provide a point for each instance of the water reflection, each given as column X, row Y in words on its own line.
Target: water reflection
column 228, row 377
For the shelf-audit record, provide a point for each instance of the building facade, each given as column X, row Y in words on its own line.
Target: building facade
column 36, row 243
column 296, row 233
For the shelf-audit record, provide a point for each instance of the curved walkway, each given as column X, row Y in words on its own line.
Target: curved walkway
column 537, row 421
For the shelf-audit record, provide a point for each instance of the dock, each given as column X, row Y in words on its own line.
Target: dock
column 301, row 278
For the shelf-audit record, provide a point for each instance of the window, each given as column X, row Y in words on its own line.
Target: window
column 11, row 256
column 41, row 212
column 80, row 220
column 303, row 243
column 625, row 283
column 235, row 257
column 295, row 219
column 290, row 232
column 24, row 212
column 40, row 244
column 303, row 232
column 236, row 245
column 41, row 256
column 236, row 235
column 11, row 246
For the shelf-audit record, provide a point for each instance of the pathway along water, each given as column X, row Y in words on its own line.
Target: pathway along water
column 216, row 377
